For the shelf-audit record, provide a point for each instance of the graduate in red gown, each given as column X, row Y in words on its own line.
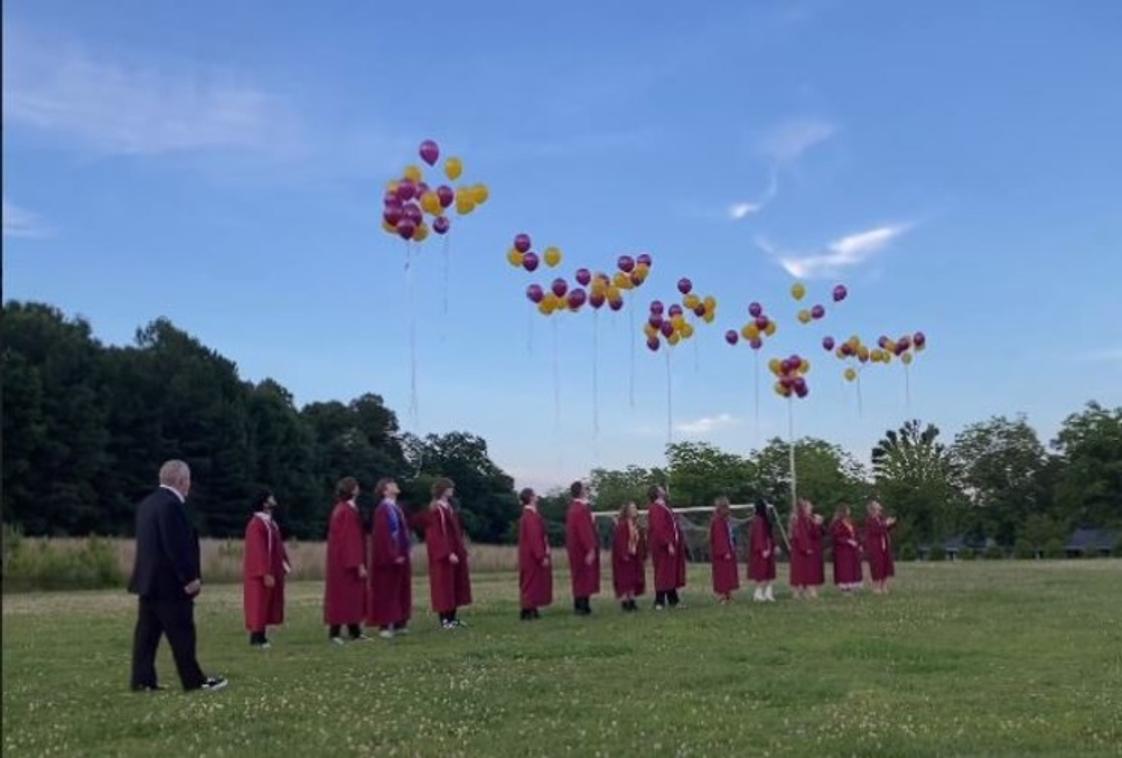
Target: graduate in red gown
column 722, row 552
column 878, row 547
column 582, row 542
column 390, row 600
column 264, row 567
column 449, row 578
column 344, row 601
column 535, row 567
column 628, row 558
column 807, row 572
column 668, row 551
column 847, row 551
column 761, row 553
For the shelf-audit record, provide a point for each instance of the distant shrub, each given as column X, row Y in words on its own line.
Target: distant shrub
column 907, row 552
column 1022, row 549
column 37, row 564
column 1054, row 549
column 937, row 553
column 967, row 554
column 994, row 553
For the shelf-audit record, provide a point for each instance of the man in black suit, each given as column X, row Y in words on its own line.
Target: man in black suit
column 166, row 578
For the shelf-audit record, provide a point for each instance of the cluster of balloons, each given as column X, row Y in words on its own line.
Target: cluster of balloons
column 594, row 289
column 886, row 349
column 759, row 326
column 670, row 324
column 408, row 199
column 521, row 256
column 790, row 374
column 818, row 311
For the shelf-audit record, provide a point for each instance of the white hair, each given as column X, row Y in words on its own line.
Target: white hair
column 174, row 472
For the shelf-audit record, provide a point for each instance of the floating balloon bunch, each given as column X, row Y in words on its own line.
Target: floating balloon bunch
column 818, row 311
column 521, row 256
column 670, row 324
column 409, row 198
column 759, row 325
column 790, row 374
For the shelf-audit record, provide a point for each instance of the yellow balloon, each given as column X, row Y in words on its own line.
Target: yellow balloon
column 649, row 330
column 514, row 257
column 392, row 185
column 480, row 193
column 906, row 359
column 804, row 316
column 687, row 331
column 413, row 173
column 552, row 256
column 453, row 167
column 691, row 301
column 642, row 270
column 854, row 341
column 780, row 389
column 464, row 204
column 775, row 366
column 850, row 375
column 677, row 321
column 709, row 316
column 551, row 300
column 745, row 333
column 614, row 295
column 430, row 201
column 543, row 308
column 862, row 353
column 887, row 356
column 804, row 366
column 798, row 290
column 673, row 339
column 770, row 328
column 710, row 303
column 750, row 331
column 598, row 287
column 421, row 233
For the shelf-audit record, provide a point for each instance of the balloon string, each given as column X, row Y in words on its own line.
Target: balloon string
column 414, row 408
column 530, row 331
column 669, row 402
column 447, row 265
column 696, row 356
column 556, row 380
column 631, row 380
column 860, row 404
column 595, row 374
column 791, row 452
column 756, row 359
column 907, row 391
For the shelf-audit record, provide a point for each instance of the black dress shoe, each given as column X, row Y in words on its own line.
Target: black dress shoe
column 214, row 684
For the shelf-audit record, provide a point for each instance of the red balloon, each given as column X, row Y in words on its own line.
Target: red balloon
column 755, row 310
column 559, row 287
column 685, row 285
column 667, row 328
column 636, row 278
column 787, row 381
column 626, row 264
column 846, row 349
column 756, row 343
column 615, row 305
column 761, row 322
column 406, row 228
column 405, row 190
column 656, row 307
column 429, row 152
column 596, row 300
column 534, row 293
column 530, row 261
column 802, row 391
column 675, row 310
column 392, row 214
column 839, row 293
column 644, row 259
column 827, row 343
column 882, row 341
column 421, row 189
column 699, row 311
column 732, row 337
column 577, row 298
column 446, row 195
column 412, row 211
column 800, row 385
column 906, row 341
column 441, row 225
column 652, row 344
column 817, row 312
column 920, row 339
column 584, row 277
column 655, row 320
column 522, row 242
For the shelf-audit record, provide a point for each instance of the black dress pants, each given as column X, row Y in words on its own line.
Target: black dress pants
column 176, row 620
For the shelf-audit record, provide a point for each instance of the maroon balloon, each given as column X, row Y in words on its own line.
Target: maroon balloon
column 685, row 285
column 699, row 311
column 656, row 307
column 530, row 261
column 655, row 320
column 626, row 264
column 446, row 195
column 839, row 293
column 441, row 225
column 802, row 391
column 900, row 349
column 827, row 343
column 535, row 293
column 392, row 214
column 422, row 188
column 522, row 242
column 644, row 259
column 761, row 322
column 636, row 278
column 412, row 211
column 675, row 310
column 846, row 349
column 755, row 310
column 406, row 190
column 756, row 343
column 800, row 384
column 577, row 298
column 920, row 339
column 732, row 337
column 817, row 312
column 584, row 277
column 882, row 341
column 615, row 305
column 559, row 287
column 667, row 329
column 429, row 152
column 652, row 344
column 406, row 228
column 906, row 341
column 787, row 381
column 596, row 300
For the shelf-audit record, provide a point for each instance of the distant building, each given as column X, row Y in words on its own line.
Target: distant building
column 1091, row 542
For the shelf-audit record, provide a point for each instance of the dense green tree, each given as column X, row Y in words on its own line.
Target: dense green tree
column 825, row 474
column 1089, row 482
column 611, row 489
column 915, row 479
column 700, row 472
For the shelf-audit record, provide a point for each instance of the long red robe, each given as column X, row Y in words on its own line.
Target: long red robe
column 264, row 554
column 628, row 567
column 580, row 539
column 390, row 602
column 878, row 548
column 806, row 553
column 817, row 564
column 847, row 553
column 535, row 581
column 449, row 584
column 669, row 570
column 722, row 556
column 345, row 594
column 761, row 556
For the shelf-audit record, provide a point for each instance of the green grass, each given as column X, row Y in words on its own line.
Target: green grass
column 980, row 658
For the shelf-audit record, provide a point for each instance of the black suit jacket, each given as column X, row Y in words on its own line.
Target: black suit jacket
column 167, row 549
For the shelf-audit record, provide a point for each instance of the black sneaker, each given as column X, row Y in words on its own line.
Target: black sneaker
column 214, row 684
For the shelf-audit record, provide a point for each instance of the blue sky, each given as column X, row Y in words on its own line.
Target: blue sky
column 956, row 165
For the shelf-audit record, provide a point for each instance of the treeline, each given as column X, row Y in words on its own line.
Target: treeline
column 86, row 426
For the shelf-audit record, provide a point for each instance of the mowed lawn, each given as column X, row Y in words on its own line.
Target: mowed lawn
column 979, row 658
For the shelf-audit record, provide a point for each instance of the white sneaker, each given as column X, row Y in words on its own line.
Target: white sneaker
column 448, row 626
column 402, row 630
column 768, row 596
column 758, row 596
column 386, row 634
column 337, row 641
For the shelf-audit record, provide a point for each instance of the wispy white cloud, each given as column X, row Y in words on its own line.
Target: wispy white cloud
column 789, row 140
column 707, row 424
column 114, row 107
column 742, row 210
column 19, row 222
column 842, row 253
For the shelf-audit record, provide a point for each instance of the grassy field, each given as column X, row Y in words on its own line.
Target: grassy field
column 978, row 658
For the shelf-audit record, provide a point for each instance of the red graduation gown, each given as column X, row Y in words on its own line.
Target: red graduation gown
column 722, row 556
column 761, row 568
column 669, row 570
column 580, row 538
column 806, row 553
column 264, row 554
column 390, row 601
column 449, row 584
column 345, row 595
column 628, row 569
column 847, row 555
column 878, row 548
column 535, row 581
